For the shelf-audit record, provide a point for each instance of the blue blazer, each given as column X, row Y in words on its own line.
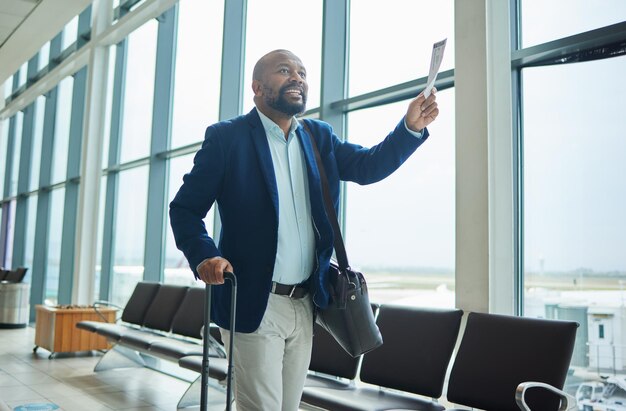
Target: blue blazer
column 234, row 168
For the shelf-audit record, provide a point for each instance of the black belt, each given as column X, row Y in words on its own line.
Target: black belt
column 290, row 290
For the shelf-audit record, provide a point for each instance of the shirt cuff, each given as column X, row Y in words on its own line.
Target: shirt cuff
column 417, row 134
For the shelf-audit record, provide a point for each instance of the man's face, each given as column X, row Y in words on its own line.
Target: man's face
column 283, row 86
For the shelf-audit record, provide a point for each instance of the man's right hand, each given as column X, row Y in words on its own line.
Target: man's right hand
column 211, row 270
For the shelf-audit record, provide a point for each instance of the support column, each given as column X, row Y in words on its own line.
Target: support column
column 91, row 159
column 484, row 207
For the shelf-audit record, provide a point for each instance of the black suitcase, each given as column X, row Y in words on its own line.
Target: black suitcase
column 205, row 342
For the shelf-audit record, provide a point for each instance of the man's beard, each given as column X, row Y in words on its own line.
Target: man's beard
column 283, row 105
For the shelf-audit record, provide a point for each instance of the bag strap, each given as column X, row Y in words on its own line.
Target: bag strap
column 340, row 249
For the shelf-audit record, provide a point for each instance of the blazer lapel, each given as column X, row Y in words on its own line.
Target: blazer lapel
column 265, row 157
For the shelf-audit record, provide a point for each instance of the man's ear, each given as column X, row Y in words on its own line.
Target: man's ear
column 256, row 87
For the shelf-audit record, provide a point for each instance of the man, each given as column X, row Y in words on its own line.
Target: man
column 275, row 236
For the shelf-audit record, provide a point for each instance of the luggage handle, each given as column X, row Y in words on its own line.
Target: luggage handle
column 205, row 349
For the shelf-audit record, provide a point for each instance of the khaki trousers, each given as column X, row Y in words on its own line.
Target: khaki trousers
column 270, row 364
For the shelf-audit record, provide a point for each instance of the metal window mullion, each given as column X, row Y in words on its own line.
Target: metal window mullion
column 161, row 132
column 8, row 168
column 335, row 44
column 233, row 59
column 26, row 155
column 516, row 106
column 108, row 232
column 40, row 259
column 84, row 27
column 70, row 205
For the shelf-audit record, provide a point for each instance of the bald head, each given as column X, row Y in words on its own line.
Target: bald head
column 261, row 66
column 279, row 85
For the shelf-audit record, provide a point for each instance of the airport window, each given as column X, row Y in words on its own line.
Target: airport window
column 29, row 245
column 400, row 231
column 4, row 142
column 57, row 201
column 572, row 261
column 177, row 269
column 17, row 145
column 388, row 47
column 573, row 185
column 40, row 105
column 198, row 70
column 267, row 30
column 130, row 232
column 139, row 93
column 44, row 56
column 70, row 33
column 101, row 208
column 62, row 129
column 539, row 18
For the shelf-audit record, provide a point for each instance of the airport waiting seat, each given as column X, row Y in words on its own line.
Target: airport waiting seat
column 16, row 276
column 413, row 359
column 157, row 322
column 134, row 312
column 498, row 353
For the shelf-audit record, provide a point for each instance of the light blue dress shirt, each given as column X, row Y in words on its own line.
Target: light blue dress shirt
column 295, row 253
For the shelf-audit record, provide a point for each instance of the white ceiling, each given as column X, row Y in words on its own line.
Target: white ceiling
column 26, row 25
column 12, row 13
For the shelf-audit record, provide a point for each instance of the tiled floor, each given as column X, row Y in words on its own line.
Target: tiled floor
column 69, row 381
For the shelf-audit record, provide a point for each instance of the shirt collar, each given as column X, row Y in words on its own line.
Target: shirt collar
column 272, row 127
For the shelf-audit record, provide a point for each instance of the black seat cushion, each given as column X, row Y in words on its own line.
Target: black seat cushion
column 499, row 352
column 365, row 399
column 218, row 367
column 112, row 332
column 139, row 301
column 164, row 306
column 189, row 318
column 329, row 358
column 418, row 344
column 140, row 339
column 176, row 349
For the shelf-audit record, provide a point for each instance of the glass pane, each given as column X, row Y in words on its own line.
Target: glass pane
column 44, row 56
column 98, row 270
column 109, row 107
column 29, row 246
column 22, row 74
column 40, row 106
column 57, row 202
column 62, row 129
column 198, row 70
column 574, row 196
column 389, row 47
column 400, row 231
column 130, row 232
column 8, row 261
column 177, row 269
column 139, row 93
column 4, row 141
column 70, row 33
column 544, row 21
column 17, row 148
column 8, row 87
column 266, row 32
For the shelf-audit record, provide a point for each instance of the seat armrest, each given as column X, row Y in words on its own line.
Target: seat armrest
column 568, row 403
column 101, row 303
